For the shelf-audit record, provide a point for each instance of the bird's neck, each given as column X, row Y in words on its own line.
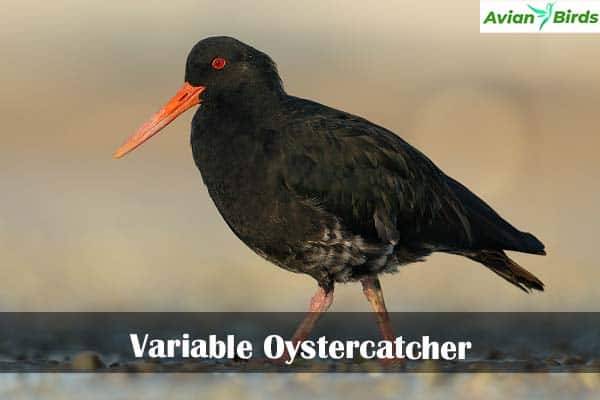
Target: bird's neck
column 248, row 104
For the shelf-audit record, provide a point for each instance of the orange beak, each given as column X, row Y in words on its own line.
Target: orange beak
column 187, row 97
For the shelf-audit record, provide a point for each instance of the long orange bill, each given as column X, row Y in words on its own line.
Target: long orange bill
column 187, row 97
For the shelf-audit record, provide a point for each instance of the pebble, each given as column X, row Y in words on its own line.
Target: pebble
column 551, row 362
column 87, row 361
column 572, row 360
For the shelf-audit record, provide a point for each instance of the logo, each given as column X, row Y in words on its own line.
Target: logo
column 545, row 15
column 512, row 16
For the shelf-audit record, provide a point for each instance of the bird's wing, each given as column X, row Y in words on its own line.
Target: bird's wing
column 540, row 13
column 383, row 188
column 377, row 184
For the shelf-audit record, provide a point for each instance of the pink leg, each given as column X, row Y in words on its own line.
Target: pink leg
column 373, row 292
column 319, row 303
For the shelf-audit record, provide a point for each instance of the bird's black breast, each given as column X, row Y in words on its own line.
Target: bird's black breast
column 242, row 166
column 236, row 163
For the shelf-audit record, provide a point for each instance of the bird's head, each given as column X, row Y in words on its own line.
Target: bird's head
column 218, row 70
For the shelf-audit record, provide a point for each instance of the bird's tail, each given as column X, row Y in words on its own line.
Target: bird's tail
column 498, row 262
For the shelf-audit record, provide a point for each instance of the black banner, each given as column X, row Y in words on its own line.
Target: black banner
column 259, row 342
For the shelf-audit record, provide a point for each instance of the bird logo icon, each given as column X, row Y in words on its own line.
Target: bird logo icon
column 545, row 15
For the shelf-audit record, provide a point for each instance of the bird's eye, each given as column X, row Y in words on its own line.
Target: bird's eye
column 218, row 63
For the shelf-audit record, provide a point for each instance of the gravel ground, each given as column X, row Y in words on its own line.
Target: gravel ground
column 299, row 386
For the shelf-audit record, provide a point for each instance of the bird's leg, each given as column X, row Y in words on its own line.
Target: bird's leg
column 319, row 303
column 373, row 292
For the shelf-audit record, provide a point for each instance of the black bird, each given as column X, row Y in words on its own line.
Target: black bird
column 323, row 192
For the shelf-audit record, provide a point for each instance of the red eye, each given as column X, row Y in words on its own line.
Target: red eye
column 218, row 63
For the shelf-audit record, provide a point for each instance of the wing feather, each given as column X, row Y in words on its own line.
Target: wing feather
column 377, row 184
column 382, row 188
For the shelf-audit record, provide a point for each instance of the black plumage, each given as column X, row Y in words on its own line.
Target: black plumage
column 326, row 193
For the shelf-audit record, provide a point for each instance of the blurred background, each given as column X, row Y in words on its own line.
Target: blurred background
column 514, row 117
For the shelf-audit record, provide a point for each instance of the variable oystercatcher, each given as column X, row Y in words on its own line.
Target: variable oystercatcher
column 323, row 192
